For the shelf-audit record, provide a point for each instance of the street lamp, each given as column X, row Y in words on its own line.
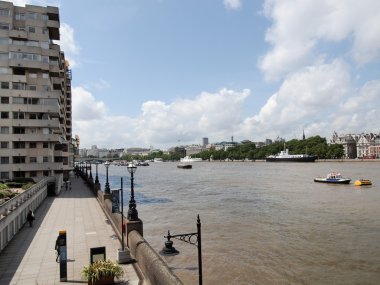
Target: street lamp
column 107, row 187
column 132, row 212
column 96, row 175
column 169, row 250
column 90, row 170
column 86, row 170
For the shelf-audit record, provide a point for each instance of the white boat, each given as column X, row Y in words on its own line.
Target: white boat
column 284, row 156
column 334, row 178
column 188, row 158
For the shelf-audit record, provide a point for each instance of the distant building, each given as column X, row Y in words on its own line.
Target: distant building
column 194, row 149
column 204, row 142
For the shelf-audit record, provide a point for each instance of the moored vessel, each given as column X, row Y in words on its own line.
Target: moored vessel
column 333, row 178
column 284, row 156
column 188, row 158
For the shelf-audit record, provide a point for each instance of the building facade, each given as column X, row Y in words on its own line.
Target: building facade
column 35, row 91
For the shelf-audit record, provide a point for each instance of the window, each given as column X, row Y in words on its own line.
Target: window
column 45, row 31
column 45, row 145
column 32, row 173
column 18, row 85
column 18, row 100
column 4, row 160
column 44, row 17
column 4, row 144
column 4, row 26
column 18, row 159
column 31, row 29
column 4, row 85
column 45, row 131
column 44, row 45
column 4, row 70
column 32, row 145
column 32, row 75
column 31, row 15
column 4, row 115
column 33, row 116
column 32, row 131
column 4, row 175
column 45, row 59
column 4, row 41
column 19, row 115
column 33, row 159
column 4, row 12
column 18, row 130
column 45, row 75
column 17, row 145
column 32, row 44
column 4, row 55
column 32, row 87
column 46, row 88
column 4, row 100
column 46, row 159
column 46, row 172
column 4, row 130
column 20, row 16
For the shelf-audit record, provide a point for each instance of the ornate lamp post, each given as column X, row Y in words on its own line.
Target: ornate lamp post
column 96, row 174
column 107, row 189
column 132, row 212
column 90, row 170
column 86, row 169
column 189, row 238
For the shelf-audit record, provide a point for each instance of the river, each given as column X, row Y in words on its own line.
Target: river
column 262, row 223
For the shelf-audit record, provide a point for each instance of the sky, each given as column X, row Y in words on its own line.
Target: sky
column 163, row 73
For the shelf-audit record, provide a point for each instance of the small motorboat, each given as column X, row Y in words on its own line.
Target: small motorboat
column 185, row 166
column 334, row 178
column 363, row 182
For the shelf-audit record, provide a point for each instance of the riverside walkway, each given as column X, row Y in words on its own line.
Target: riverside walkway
column 30, row 257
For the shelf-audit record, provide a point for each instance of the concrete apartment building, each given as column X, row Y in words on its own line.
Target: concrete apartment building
column 35, row 91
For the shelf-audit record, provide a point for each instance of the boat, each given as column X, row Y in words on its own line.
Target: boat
column 188, row 158
column 185, row 166
column 363, row 182
column 334, row 178
column 284, row 156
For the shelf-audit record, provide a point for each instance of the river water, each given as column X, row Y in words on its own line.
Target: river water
column 262, row 223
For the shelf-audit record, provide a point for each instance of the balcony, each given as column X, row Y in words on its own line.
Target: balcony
column 36, row 138
column 18, row 34
column 36, row 123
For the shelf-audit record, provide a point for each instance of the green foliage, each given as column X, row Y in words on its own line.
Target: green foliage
column 14, row 184
column 27, row 186
column 101, row 268
column 6, row 193
column 3, row 186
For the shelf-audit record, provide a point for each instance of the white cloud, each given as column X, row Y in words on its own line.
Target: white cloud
column 159, row 124
column 68, row 44
column 232, row 4
column 299, row 27
column 309, row 95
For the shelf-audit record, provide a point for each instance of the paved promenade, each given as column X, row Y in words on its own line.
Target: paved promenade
column 30, row 257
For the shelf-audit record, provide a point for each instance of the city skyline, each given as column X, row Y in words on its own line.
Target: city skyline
column 159, row 72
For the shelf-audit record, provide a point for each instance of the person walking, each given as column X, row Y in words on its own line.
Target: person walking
column 30, row 218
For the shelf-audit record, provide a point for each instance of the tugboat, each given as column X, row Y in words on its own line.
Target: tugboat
column 284, row 156
column 333, row 178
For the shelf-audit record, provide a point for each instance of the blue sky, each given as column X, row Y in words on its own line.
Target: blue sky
column 166, row 72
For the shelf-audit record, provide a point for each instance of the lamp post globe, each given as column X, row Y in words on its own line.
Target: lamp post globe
column 107, row 189
column 132, row 211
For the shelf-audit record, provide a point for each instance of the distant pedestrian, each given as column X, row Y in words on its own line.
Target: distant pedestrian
column 30, row 218
column 66, row 184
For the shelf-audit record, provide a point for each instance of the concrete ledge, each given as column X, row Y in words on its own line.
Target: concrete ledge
column 153, row 267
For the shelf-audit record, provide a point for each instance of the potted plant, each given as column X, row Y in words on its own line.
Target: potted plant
column 102, row 272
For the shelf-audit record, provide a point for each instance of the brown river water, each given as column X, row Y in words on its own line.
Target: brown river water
column 262, row 223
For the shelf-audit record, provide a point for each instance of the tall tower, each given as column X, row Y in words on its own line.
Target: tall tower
column 35, row 91
column 204, row 142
